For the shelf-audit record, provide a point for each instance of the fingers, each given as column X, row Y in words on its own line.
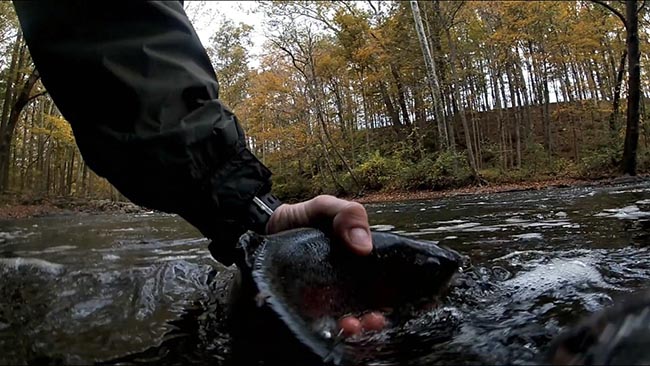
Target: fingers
column 349, row 220
column 351, row 325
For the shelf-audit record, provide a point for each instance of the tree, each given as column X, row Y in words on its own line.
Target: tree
column 432, row 78
column 631, row 23
column 230, row 57
column 23, row 78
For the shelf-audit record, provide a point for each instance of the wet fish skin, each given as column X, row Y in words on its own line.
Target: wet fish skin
column 399, row 270
column 305, row 278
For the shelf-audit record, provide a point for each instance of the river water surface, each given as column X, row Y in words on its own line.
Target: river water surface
column 143, row 289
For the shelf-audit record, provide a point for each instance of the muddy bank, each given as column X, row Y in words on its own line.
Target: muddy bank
column 491, row 188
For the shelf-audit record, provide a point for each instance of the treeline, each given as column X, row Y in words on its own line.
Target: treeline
column 350, row 97
column 358, row 96
column 38, row 154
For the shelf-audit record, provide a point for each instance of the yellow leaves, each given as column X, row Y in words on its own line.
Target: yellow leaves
column 364, row 55
column 58, row 128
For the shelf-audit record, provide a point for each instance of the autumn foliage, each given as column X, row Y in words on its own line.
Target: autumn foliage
column 342, row 101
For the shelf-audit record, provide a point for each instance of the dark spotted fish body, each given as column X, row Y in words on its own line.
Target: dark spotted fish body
column 619, row 335
column 310, row 282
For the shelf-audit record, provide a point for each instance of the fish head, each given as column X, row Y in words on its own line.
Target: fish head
column 402, row 272
column 310, row 281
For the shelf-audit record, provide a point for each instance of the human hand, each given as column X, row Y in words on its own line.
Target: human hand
column 349, row 220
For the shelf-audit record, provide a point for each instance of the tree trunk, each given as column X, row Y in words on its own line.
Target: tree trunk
column 432, row 78
column 6, row 133
column 471, row 157
column 547, row 114
column 70, row 173
column 390, row 107
column 613, row 118
column 515, row 112
column 634, row 88
column 400, row 95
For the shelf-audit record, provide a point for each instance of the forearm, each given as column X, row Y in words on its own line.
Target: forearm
column 138, row 89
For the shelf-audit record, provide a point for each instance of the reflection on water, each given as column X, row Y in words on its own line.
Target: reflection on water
column 123, row 289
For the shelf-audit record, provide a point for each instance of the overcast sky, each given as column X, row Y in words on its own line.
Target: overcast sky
column 205, row 14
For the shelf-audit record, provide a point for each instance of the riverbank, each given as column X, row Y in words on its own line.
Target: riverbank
column 13, row 207
column 20, row 207
column 492, row 188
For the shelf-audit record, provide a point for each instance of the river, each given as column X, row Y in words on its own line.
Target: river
column 143, row 289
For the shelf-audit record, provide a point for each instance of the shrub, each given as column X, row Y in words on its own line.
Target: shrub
column 292, row 188
column 376, row 171
column 598, row 163
column 446, row 170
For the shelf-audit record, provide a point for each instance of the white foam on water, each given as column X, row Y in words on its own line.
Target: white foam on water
column 515, row 220
column 451, row 222
column 528, row 236
column 557, row 273
column 548, row 223
column 173, row 258
column 518, row 253
column 483, row 229
column 110, row 257
column 643, row 202
column 450, row 228
column 631, row 208
column 382, row 227
column 10, row 235
column 39, row 264
column 631, row 212
column 638, row 190
column 59, row 248
column 561, row 214
column 407, row 233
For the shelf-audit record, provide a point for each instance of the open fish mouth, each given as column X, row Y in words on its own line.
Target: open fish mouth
column 311, row 284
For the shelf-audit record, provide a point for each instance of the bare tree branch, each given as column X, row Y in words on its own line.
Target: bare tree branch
column 373, row 7
column 454, row 11
column 613, row 10
column 291, row 55
column 37, row 95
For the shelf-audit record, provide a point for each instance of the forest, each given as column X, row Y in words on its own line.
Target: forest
column 355, row 97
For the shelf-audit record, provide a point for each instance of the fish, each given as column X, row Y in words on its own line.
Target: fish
column 617, row 335
column 308, row 281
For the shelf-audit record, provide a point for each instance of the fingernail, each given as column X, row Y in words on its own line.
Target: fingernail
column 359, row 238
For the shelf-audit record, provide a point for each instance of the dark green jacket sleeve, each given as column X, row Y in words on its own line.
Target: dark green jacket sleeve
column 135, row 83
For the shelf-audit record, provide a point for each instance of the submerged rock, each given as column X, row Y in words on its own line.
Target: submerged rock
column 619, row 335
